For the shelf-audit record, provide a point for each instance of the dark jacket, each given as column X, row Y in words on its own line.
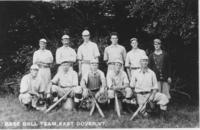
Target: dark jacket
column 166, row 68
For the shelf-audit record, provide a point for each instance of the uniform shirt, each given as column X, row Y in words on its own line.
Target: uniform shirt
column 144, row 81
column 102, row 77
column 66, row 79
column 65, row 54
column 114, row 52
column 133, row 58
column 44, row 56
column 117, row 80
column 28, row 84
column 88, row 51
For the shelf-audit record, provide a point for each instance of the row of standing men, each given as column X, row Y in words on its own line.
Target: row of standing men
column 115, row 55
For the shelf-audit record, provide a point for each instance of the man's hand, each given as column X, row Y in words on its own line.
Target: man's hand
column 153, row 93
column 97, row 95
column 85, row 92
column 151, row 97
column 169, row 80
column 48, row 95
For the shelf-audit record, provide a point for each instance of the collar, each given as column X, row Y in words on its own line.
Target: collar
column 42, row 50
column 112, row 45
column 134, row 50
column 65, row 47
column 118, row 73
column 86, row 43
column 70, row 69
column 146, row 71
column 94, row 72
column 158, row 53
column 31, row 77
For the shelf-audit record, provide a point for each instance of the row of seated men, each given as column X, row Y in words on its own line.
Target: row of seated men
column 142, row 84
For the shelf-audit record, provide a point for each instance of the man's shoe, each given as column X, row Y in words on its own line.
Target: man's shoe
column 55, row 99
column 145, row 115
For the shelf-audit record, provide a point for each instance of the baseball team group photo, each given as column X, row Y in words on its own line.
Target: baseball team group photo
column 99, row 64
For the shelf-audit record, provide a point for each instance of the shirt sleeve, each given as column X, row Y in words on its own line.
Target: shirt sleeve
column 154, row 81
column 105, row 58
column 58, row 57
column 74, row 56
column 55, row 79
column 103, row 79
column 96, row 51
column 125, row 79
column 79, row 54
column 35, row 57
column 109, row 80
column 133, row 81
column 24, row 85
column 85, row 78
column 50, row 57
column 124, row 54
column 75, row 79
column 143, row 52
column 127, row 62
column 151, row 60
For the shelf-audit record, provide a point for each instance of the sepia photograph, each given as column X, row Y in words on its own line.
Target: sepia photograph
column 99, row 64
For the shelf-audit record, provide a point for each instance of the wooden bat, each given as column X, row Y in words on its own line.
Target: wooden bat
column 92, row 109
column 117, row 106
column 97, row 105
column 98, row 108
column 56, row 103
column 140, row 108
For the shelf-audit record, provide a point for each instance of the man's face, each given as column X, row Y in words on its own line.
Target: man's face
column 118, row 67
column 86, row 38
column 157, row 45
column 134, row 44
column 144, row 63
column 114, row 39
column 94, row 66
column 65, row 41
column 66, row 66
column 42, row 45
column 34, row 72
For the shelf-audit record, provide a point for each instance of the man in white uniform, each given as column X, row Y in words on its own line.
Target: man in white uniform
column 30, row 88
column 43, row 58
column 86, row 52
column 65, row 53
column 114, row 52
column 133, row 58
column 144, row 83
column 64, row 81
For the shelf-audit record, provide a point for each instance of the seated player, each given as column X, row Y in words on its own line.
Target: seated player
column 94, row 81
column 65, row 80
column 117, row 82
column 30, row 88
column 144, row 83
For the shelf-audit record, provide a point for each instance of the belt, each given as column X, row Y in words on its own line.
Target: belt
column 134, row 68
column 43, row 66
column 65, row 86
column 145, row 92
column 85, row 61
column 111, row 63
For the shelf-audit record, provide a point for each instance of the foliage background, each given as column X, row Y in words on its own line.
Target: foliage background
column 22, row 24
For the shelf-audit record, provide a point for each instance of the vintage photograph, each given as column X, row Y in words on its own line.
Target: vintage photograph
column 99, row 64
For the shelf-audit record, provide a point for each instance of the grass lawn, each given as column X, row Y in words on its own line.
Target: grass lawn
column 13, row 115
